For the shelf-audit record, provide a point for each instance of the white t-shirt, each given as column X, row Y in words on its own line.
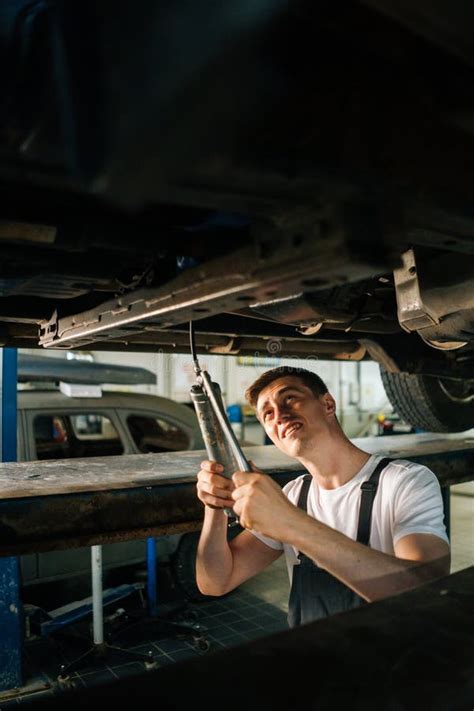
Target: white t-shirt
column 408, row 500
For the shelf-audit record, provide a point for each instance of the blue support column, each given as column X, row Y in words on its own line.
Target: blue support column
column 151, row 577
column 11, row 636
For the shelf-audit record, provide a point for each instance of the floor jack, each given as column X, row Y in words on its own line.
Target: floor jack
column 99, row 648
column 185, row 624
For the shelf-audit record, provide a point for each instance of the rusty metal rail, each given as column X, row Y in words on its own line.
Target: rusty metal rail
column 77, row 502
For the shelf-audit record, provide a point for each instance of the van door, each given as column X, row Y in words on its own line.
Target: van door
column 64, row 434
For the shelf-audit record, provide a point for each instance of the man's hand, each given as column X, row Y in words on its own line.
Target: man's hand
column 213, row 489
column 261, row 505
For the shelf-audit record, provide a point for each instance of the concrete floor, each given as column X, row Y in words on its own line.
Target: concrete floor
column 462, row 526
column 271, row 585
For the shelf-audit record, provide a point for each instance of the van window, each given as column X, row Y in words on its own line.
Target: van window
column 153, row 434
column 65, row 436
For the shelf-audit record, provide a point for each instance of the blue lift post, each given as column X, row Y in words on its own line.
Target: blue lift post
column 152, row 602
column 11, row 636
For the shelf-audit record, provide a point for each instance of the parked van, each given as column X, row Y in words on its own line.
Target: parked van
column 58, row 420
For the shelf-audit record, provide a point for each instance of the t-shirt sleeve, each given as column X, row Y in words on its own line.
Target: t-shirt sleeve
column 419, row 505
column 276, row 545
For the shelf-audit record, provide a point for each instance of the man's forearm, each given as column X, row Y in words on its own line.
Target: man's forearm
column 370, row 573
column 214, row 558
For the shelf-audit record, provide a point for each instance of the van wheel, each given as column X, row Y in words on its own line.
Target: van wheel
column 428, row 403
column 183, row 564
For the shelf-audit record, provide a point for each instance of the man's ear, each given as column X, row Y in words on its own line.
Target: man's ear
column 330, row 404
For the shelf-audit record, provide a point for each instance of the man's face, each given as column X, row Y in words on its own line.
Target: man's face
column 292, row 415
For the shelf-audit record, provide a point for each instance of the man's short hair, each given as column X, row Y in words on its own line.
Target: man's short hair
column 311, row 380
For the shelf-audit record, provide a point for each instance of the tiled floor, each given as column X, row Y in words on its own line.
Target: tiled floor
column 256, row 609
column 210, row 625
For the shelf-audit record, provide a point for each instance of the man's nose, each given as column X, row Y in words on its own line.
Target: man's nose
column 282, row 414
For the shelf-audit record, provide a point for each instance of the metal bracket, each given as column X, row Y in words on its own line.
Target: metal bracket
column 413, row 314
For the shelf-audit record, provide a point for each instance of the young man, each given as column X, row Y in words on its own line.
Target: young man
column 344, row 544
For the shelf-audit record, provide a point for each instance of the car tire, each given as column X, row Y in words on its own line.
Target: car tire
column 183, row 564
column 429, row 403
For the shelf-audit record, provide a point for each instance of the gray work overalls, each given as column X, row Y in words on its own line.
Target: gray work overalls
column 315, row 593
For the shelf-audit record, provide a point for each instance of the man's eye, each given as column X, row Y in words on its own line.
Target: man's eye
column 267, row 414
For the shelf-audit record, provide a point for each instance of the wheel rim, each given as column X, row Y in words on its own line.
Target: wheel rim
column 460, row 392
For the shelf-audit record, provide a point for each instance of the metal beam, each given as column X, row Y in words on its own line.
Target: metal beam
column 274, row 267
column 67, row 503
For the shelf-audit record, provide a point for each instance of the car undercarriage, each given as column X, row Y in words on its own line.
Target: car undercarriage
column 295, row 177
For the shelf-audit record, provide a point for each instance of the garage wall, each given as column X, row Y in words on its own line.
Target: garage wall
column 357, row 387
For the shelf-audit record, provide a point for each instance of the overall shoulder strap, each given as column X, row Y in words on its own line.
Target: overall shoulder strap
column 303, row 501
column 303, row 497
column 369, row 490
